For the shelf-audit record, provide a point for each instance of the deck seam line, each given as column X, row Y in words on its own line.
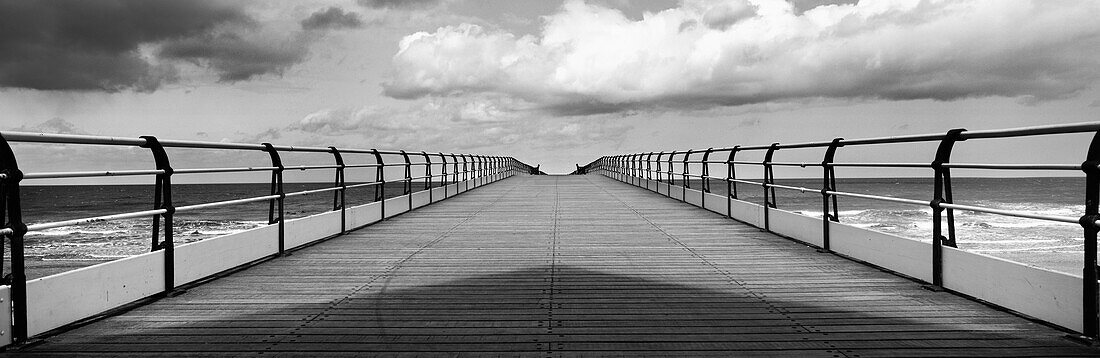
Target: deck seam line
column 389, row 270
column 722, row 272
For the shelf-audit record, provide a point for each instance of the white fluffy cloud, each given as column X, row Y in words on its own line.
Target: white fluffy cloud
column 708, row 53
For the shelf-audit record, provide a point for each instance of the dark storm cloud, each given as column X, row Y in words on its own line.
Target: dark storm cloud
column 237, row 58
column 115, row 45
column 331, row 18
column 397, row 4
column 93, row 44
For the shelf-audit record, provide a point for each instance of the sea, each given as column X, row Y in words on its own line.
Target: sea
column 1052, row 245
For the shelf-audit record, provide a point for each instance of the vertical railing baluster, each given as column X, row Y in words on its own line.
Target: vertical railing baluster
column 277, row 189
column 828, row 184
column 731, row 185
column 163, row 200
column 408, row 187
column 769, row 179
column 671, row 178
column 687, row 179
column 443, row 175
column 11, row 217
column 339, row 197
column 380, row 179
column 1090, row 305
column 942, row 179
column 705, row 172
column 428, row 174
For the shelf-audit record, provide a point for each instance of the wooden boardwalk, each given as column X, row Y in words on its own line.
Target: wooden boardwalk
column 561, row 266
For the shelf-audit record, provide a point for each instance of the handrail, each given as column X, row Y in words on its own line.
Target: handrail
column 642, row 167
column 478, row 168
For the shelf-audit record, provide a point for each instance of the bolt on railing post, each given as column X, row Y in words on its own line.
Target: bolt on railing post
column 380, row 179
column 162, row 199
column 769, row 179
column 1091, row 306
column 11, row 216
column 277, row 189
column 339, row 197
column 942, row 194
column 828, row 183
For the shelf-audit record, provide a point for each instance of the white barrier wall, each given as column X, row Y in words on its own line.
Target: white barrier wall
column 5, row 316
column 64, row 298
column 1051, row 296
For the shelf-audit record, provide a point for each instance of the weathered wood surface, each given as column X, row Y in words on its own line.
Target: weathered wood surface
column 561, row 266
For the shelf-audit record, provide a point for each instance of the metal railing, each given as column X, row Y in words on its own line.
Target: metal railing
column 668, row 167
column 441, row 168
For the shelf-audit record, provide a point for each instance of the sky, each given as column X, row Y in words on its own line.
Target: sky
column 554, row 83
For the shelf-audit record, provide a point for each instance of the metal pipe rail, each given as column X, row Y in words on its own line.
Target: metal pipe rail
column 444, row 169
column 658, row 166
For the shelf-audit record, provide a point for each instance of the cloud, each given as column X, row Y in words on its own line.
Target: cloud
column 54, row 125
column 707, row 53
column 332, row 18
column 447, row 124
column 240, row 55
column 398, row 4
column 116, row 45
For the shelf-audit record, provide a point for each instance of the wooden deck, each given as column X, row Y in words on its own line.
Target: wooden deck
column 561, row 266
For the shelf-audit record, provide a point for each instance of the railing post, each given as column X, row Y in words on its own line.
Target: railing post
column 706, row 179
column 443, row 174
column 769, row 179
column 942, row 194
column 671, row 178
column 339, row 197
column 11, row 217
column 658, row 161
column 428, row 174
column 828, row 183
column 1090, row 308
column 687, row 179
column 648, row 169
column 731, row 185
column 380, row 178
column 454, row 160
column 408, row 187
column 277, row 189
column 465, row 173
column 162, row 199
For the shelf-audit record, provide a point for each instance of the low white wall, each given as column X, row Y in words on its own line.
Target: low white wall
column 421, row 198
column 64, row 298
column 799, row 227
column 717, row 203
column 694, row 197
column 207, row 257
column 5, row 316
column 1051, row 296
column 750, row 213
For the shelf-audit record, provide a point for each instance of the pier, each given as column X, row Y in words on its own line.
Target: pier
column 560, row 266
column 633, row 255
